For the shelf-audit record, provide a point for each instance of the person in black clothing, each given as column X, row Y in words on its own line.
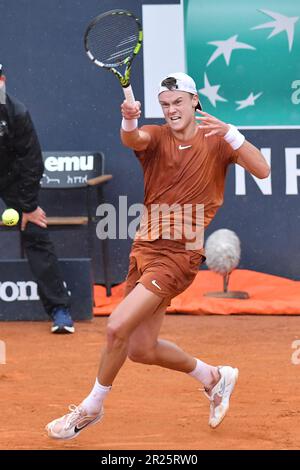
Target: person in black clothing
column 21, row 169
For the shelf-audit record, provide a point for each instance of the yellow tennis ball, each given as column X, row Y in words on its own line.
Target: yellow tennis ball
column 10, row 217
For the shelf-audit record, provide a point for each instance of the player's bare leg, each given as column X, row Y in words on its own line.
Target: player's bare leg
column 219, row 382
column 132, row 331
column 145, row 347
column 138, row 305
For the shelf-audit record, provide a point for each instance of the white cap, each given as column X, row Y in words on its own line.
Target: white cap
column 181, row 82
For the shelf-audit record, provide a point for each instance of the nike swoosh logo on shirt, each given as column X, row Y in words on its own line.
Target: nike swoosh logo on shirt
column 155, row 284
column 183, row 147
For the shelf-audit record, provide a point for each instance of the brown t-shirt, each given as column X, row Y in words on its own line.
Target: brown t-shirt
column 188, row 176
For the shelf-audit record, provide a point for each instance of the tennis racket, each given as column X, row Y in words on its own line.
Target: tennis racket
column 112, row 40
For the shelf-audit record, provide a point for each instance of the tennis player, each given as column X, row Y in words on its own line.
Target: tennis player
column 185, row 162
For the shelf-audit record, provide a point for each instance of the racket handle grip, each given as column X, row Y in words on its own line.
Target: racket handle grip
column 129, row 96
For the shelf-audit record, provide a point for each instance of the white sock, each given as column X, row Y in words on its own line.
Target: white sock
column 204, row 373
column 93, row 402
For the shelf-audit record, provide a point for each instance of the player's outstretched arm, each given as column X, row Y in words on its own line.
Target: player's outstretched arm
column 249, row 157
column 131, row 135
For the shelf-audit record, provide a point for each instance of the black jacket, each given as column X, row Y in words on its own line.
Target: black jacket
column 21, row 159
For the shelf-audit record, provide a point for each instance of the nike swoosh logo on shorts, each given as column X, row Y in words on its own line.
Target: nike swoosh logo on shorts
column 155, row 284
column 183, row 147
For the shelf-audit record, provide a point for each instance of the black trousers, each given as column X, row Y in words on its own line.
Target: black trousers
column 41, row 258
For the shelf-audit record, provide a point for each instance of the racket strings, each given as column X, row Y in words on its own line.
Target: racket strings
column 113, row 39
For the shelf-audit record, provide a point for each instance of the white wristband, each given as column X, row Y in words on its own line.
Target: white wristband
column 129, row 125
column 234, row 137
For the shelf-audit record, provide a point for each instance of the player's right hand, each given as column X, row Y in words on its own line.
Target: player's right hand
column 131, row 111
column 37, row 217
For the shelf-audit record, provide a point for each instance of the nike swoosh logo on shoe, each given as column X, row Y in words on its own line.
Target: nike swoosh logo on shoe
column 77, row 428
column 222, row 388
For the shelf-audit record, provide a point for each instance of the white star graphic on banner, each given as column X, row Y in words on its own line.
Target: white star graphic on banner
column 281, row 23
column 211, row 92
column 249, row 101
column 225, row 48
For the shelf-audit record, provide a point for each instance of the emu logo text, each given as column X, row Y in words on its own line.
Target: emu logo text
column 72, row 163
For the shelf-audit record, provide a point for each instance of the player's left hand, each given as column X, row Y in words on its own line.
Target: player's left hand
column 38, row 217
column 213, row 125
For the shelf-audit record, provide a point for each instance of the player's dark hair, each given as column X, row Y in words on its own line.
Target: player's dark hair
column 170, row 83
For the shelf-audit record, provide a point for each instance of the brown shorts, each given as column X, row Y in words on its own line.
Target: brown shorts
column 164, row 267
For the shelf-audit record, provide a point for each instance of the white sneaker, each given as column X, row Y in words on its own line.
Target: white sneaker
column 71, row 424
column 219, row 396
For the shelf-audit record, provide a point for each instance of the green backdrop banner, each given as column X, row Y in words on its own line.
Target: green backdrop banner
column 245, row 58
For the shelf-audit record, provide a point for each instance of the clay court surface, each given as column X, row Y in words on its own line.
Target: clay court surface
column 152, row 408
